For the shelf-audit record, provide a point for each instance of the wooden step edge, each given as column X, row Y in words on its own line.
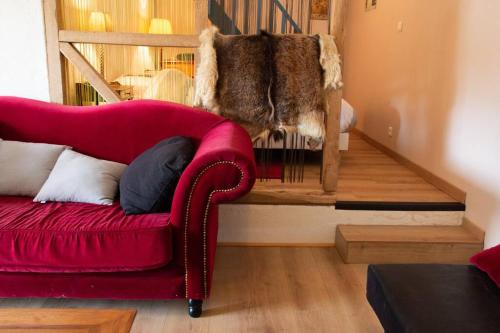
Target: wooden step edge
column 302, row 197
column 428, row 242
column 342, row 243
column 473, row 228
column 400, row 206
column 404, row 252
column 435, row 254
column 474, row 234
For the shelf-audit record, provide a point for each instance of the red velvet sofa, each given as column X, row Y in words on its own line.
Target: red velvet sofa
column 90, row 251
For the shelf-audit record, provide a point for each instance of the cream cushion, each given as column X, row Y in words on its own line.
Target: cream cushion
column 80, row 178
column 25, row 166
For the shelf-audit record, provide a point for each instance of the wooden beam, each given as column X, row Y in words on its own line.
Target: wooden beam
column 338, row 14
column 89, row 72
column 331, row 153
column 54, row 61
column 201, row 15
column 128, row 38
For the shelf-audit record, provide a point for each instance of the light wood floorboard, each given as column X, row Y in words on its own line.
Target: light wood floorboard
column 308, row 192
column 368, row 174
column 259, row 290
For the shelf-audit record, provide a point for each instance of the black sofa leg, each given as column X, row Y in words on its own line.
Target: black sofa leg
column 194, row 307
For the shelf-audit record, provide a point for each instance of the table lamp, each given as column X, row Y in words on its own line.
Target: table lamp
column 161, row 27
column 97, row 22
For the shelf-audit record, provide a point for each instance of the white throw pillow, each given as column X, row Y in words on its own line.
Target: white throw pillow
column 80, row 178
column 25, row 166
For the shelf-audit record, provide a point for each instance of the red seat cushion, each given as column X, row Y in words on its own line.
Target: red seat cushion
column 74, row 237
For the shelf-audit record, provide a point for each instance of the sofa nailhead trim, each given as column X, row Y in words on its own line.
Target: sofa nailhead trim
column 205, row 218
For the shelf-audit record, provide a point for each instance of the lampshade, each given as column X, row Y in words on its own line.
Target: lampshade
column 160, row 26
column 97, row 21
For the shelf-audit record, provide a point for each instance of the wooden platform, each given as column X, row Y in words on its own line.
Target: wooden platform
column 273, row 191
column 407, row 244
column 366, row 175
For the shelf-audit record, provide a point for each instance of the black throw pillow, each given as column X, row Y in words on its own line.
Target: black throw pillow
column 148, row 183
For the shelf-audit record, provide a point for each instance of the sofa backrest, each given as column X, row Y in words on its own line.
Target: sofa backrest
column 117, row 132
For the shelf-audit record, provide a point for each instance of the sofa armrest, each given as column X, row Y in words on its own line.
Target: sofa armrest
column 223, row 169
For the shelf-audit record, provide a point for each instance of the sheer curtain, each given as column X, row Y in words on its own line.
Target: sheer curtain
column 134, row 67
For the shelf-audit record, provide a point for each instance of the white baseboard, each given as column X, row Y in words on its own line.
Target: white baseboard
column 288, row 225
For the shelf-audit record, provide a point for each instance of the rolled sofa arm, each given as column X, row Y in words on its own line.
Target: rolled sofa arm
column 223, row 169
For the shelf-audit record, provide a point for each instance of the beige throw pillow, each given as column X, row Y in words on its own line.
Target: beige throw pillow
column 81, row 178
column 25, row 166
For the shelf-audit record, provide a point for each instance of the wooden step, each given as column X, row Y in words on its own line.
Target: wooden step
column 408, row 244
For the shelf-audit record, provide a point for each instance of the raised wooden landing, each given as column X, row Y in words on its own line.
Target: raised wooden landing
column 407, row 244
column 367, row 175
column 273, row 191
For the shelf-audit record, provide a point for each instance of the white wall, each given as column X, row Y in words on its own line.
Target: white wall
column 437, row 84
column 23, row 64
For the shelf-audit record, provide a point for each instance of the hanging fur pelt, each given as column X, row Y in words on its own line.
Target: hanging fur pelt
column 268, row 83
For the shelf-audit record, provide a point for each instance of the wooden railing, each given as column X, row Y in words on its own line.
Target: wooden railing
column 285, row 18
column 218, row 16
column 235, row 17
column 60, row 47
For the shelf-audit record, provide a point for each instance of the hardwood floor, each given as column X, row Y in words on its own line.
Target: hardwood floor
column 368, row 174
column 308, row 192
column 259, row 290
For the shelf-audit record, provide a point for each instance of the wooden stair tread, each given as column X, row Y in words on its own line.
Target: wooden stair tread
column 409, row 234
column 384, row 244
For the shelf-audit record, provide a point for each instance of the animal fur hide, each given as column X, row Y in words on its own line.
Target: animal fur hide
column 268, row 83
column 297, row 87
column 242, row 90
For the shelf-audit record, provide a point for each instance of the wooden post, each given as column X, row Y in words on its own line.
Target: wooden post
column 338, row 14
column 89, row 72
column 331, row 154
column 201, row 15
column 200, row 23
column 54, row 57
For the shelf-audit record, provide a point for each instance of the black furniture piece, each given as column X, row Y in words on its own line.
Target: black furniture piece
column 433, row 298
